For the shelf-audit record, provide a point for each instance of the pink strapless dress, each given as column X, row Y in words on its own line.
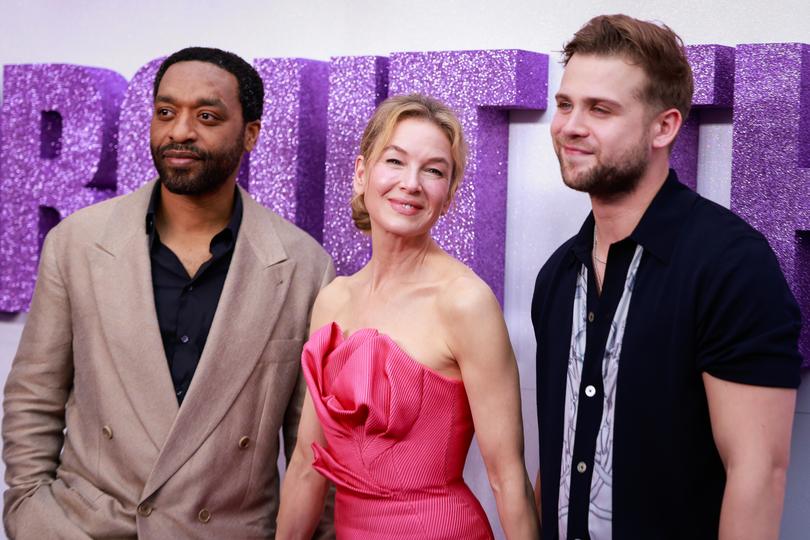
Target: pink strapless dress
column 397, row 437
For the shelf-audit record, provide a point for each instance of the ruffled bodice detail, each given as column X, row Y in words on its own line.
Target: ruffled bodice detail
column 395, row 430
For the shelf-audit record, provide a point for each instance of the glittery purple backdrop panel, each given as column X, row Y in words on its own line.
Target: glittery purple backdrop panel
column 357, row 84
column 286, row 167
column 713, row 73
column 770, row 185
column 481, row 86
column 59, row 125
column 135, row 166
column 684, row 156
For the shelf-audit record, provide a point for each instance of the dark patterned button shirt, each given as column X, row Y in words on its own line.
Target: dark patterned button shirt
column 709, row 296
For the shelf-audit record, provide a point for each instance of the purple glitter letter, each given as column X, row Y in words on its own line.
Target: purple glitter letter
column 135, row 166
column 357, row 84
column 286, row 167
column 713, row 72
column 770, row 186
column 59, row 125
column 481, row 86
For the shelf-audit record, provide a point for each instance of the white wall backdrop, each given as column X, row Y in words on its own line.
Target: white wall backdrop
column 541, row 212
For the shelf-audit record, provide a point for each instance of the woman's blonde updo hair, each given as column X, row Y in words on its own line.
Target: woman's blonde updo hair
column 381, row 127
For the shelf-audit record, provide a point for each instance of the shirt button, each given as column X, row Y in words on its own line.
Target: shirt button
column 582, row 467
column 204, row 516
column 244, row 442
column 107, row 432
column 184, row 339
column 179, row 393
column 590, row 391
column 144, row 510
column 190, row 288
column 591, row 316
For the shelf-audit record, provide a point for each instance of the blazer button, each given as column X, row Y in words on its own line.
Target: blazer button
column 144, row 510
column 107, row 432
column 244, row 442
column 204, row 516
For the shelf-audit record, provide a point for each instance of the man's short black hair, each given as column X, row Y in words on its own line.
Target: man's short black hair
column 251, row 88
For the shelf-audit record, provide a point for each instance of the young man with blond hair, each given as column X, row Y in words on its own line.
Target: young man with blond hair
column 667, row 335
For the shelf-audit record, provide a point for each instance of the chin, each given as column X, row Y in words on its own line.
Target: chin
column 576, row 181
column 405, row 230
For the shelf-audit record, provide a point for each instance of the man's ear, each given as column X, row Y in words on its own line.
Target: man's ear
column 359, row 182
column 252, row 130
column 666, row 126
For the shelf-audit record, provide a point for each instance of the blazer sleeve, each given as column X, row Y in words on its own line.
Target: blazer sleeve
column 326, row 526
column 36, row 391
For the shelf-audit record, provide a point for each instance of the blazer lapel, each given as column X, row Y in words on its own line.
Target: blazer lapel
column 122, row 282
column 250, row 304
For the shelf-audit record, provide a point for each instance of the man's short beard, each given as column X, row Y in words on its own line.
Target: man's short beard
column 216, row 168
column 605, row 180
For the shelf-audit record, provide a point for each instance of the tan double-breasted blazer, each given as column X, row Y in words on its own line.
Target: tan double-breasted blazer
column 95, row 444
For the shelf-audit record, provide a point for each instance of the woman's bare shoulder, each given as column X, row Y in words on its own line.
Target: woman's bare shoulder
column 464, row 293
column 330, row 301
column 472, row 319
column 337, row 289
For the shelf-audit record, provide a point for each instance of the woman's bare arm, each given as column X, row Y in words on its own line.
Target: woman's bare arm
column 478, row 339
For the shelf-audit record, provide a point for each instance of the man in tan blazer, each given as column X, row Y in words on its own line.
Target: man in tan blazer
column 139, row 407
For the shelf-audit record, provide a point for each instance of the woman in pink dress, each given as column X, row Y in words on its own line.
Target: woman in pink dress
column 406, row 359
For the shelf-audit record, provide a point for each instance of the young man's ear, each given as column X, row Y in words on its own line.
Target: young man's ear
column 666, row 127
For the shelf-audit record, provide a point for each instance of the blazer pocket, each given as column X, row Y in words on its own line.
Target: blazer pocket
column 77, row 489
column 282, row 350
column 97, row 513
column 41, row 516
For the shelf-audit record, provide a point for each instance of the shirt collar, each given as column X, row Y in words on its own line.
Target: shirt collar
column 583, row 242
column 230, row 231
column 661, row 223
column 658, row 228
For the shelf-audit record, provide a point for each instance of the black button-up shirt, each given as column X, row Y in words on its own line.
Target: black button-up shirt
column 186, row 305
column 709, row 297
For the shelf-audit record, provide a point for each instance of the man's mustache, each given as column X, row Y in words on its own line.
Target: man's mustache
column 178, row 147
